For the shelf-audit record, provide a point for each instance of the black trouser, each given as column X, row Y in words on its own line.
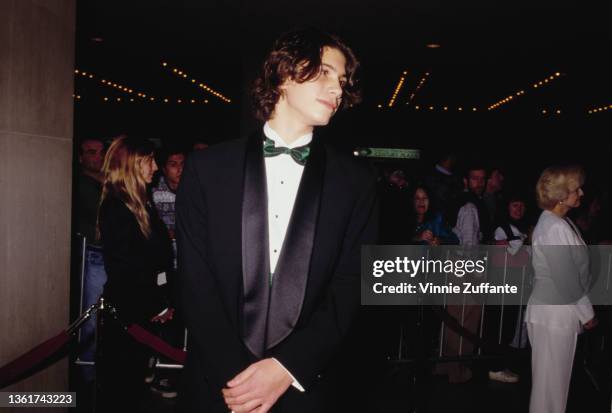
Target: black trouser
column 499, row 328
column 121, row 368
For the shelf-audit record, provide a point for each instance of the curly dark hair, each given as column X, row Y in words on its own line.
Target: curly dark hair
column 297, row 55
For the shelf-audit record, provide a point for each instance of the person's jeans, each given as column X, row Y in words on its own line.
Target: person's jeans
column 93, row 285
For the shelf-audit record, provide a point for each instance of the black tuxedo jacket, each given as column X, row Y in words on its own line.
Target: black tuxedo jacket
column 224, row 271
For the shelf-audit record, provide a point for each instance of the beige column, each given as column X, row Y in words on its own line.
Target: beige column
column 36, row 109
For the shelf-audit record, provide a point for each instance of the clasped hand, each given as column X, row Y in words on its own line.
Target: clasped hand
column 257, row 388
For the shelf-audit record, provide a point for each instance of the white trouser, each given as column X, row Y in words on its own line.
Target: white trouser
column 552, row 356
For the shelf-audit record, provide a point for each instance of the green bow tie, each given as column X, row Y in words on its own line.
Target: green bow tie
column 299, row 154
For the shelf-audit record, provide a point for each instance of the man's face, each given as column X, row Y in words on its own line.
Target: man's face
column 92, row 156
column 397, row 179
column 314, row 102
column 476, row 181
column 496, row 180
column 173, row 169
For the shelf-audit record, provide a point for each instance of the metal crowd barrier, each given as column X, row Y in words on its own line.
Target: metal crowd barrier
column 603, row 295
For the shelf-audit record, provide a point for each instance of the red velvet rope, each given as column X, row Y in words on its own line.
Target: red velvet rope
column 32, row 358
column 144, row 337
column 15, row 369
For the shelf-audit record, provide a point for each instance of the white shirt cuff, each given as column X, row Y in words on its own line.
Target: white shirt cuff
column 294, row 383
column 584, row 309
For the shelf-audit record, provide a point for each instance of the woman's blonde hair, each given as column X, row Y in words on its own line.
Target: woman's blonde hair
column 556, row 183
column 123, row 179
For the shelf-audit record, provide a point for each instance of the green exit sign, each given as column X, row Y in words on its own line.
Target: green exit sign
column 392, row 153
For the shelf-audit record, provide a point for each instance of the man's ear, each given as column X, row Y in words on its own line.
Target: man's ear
column 282, row 89
column 289, row 81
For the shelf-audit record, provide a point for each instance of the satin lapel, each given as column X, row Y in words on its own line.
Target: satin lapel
column 291, row 275
column 255, row 253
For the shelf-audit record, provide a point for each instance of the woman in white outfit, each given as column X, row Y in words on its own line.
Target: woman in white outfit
column 558, row 308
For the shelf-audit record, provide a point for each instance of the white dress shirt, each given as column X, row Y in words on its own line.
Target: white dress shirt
column 283, row 176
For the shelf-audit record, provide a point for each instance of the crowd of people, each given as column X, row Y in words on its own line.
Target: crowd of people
column 129, row 213
column 442, row 208
column 137, row 226
column 127, row 203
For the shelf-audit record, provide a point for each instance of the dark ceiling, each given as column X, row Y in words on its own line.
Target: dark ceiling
column 487, row 53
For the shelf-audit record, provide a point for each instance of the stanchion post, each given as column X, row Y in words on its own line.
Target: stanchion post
column 100, row 322
column 82, row 280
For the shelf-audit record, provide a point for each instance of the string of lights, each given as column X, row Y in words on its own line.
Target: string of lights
column 110, row 83
column 445, row 108
column 600, row 109
column 84, row 74
column 130, row 91
column 547, row 80
column 400, row 83
column 551, row 111
column 203, row 86
column 419, row 86
column 536, row 85
column 150, row 100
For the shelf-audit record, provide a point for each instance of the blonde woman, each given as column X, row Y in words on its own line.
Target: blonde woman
column 558, row 309
column 137, row 252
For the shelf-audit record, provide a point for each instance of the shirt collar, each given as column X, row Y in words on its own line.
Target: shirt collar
column 279, row 141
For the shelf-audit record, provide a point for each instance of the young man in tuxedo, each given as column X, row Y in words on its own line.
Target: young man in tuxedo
column 270, row 230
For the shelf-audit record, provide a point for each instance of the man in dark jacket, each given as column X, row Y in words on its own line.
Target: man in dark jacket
column 269, row 231
column 88, row 190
